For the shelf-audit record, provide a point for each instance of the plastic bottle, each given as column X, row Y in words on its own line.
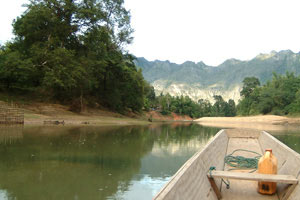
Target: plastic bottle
column 267, row 165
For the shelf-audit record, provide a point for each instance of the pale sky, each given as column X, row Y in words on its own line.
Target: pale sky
column 9, row 10
column 200, row 30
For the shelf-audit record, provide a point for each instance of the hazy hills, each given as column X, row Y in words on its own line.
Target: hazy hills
column 199, row 80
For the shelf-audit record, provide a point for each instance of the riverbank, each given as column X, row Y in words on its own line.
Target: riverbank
column 266, row 122
column 37, row 114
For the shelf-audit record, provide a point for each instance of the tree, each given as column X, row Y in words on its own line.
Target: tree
column 294, row 107
column 250, row 95
column 249, row 84
column 278, row 96
column 204, row 108
column 72, row 50
column 165, row 103
column 219, row 107
column 150, row 98
column 15, row 71
column 230, row 108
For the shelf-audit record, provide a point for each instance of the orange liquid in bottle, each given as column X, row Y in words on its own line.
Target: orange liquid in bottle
column 267, row 165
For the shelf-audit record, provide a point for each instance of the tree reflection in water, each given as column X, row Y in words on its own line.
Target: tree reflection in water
column 95, row 162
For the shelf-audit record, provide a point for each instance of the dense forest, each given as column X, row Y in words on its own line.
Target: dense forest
column 73, row 52
column 280, row 96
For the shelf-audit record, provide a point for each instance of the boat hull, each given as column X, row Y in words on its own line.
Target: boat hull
column 191, row 182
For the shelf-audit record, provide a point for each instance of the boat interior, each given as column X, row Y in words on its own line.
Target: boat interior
column 192, row 180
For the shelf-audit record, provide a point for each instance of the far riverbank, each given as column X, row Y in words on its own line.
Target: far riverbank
column 268, row 122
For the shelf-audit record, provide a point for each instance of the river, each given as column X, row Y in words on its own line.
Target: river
column 129, row 162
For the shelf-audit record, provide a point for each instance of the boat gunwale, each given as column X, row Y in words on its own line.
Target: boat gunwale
column 185, row 166
column 290, row 150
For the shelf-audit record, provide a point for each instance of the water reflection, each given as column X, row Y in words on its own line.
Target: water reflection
column 10, row 134
column 143, row 188
column 172, row 147
column 289, row 137
column 3, row 195
column 131, row 162
column 95, row 162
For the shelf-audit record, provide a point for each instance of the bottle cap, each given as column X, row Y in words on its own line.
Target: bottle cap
column 270, row 150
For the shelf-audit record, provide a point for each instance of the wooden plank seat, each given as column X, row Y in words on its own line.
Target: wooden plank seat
column 278, row 178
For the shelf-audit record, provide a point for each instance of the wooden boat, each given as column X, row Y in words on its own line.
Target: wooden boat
column 54, row 122
column 192, row 180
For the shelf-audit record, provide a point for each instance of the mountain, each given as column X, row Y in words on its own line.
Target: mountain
column 200, row 81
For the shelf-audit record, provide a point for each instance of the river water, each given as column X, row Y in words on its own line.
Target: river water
column 129, row 162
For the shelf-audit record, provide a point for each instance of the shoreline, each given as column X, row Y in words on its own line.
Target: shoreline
column 38, row 113
column 57, row 114
column 90, row 120
column 96, row 117
column 260, row 122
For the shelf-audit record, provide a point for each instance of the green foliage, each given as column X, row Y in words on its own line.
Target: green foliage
column 73, row 50
column 280, row 96
column 204, row 108
column 15, row 71
column 150, row 101
column 249, row 84
column 294, row 107
column 223, row 108
column 186, row 106
column 231, row 108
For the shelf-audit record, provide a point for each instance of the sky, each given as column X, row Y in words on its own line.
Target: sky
column 200, row 30
column 9, row 10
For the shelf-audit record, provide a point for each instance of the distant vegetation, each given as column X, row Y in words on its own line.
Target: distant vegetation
column 280, row 96
column 73, row 52
column 186, row 106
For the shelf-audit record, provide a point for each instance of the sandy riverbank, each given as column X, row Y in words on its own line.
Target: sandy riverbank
column 82, row 119
column 38, row 113
column 264, row 122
